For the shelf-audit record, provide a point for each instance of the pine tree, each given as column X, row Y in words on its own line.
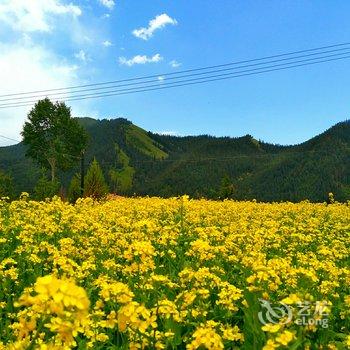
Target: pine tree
column 95, row 183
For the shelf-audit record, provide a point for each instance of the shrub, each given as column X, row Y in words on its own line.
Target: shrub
column 74, row 189
column 6, row 185
column 46, row 188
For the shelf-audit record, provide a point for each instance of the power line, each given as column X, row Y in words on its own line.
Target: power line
column 181, row 83
column 9, row 138
column 64, row 154
column 178, row 72
column 179, row 76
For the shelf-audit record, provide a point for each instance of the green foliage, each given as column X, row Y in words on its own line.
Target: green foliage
column 139, row 139
column 122, row 177
column 24, row 171
column 257, row 170
column 196, row 165
column 54, row 139
column 254, row 337
column 345, row 190
column 95, row 184
column 46, row 188
column 6, row 185
column 227, row 189
column 74, row 189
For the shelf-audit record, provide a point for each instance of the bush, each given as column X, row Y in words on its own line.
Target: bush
column 74, row 189
column 6, row 185
column 46, row 188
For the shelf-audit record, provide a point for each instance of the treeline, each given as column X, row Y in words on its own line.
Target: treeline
column 127, row 160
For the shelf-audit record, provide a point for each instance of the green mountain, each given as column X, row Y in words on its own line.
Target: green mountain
column 138, row 162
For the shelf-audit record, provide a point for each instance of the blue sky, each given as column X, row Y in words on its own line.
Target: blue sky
column 56, row 43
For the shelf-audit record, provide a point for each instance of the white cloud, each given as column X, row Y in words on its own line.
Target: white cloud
column 158, row 22
column 81, row 55
column 107, row 43
column 34, row 15
column 138, row 59
column 174, row 64
column 34, row 68
column 161, row 78
column 108, row 3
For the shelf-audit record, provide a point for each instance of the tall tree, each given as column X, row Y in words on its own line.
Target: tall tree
column 54, row 139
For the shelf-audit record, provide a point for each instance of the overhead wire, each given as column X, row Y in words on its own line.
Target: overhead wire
column 9, row 138
column 186, row 82
column 178, row 72
column 345, row 50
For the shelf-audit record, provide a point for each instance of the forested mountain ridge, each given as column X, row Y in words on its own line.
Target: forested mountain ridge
column 145, row 163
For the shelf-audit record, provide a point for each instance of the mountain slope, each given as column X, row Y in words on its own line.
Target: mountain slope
column 258, row 170
column 136, row 161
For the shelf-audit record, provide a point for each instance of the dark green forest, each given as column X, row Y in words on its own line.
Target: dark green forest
column 143, row 163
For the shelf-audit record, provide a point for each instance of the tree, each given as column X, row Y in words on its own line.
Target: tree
column 6, row 185
column 74, row 189
column 95, row 183
column 54, row 139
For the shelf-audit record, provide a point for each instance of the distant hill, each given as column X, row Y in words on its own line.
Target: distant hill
column 145, row 163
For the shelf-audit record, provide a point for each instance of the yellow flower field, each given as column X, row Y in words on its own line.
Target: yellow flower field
column 151, row 273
